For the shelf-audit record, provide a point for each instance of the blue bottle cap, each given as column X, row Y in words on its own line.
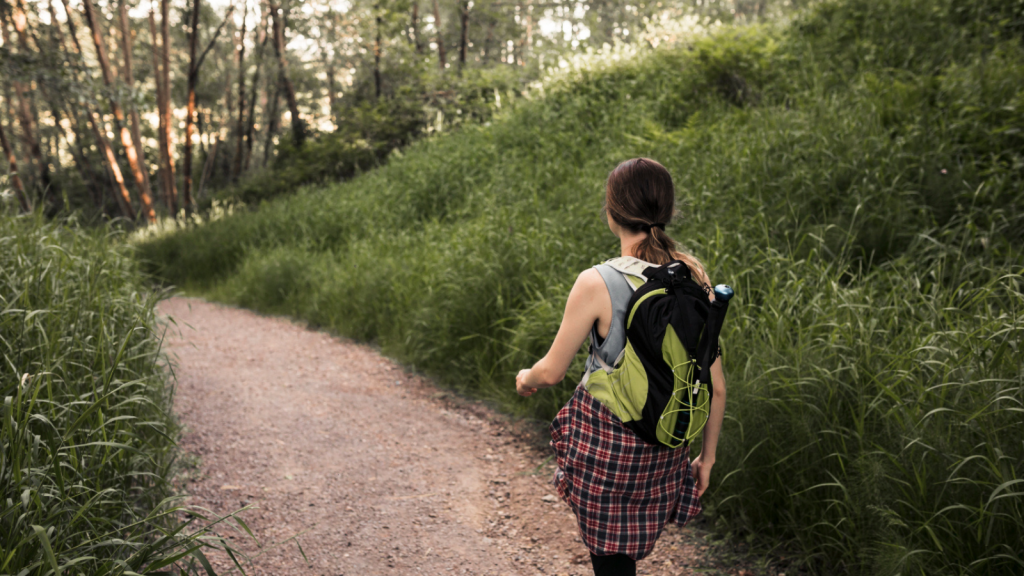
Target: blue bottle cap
column 723, row 292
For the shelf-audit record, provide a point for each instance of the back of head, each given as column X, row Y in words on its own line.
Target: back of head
column 640, row 197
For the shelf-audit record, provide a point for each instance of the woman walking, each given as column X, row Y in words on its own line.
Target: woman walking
column 622, row 489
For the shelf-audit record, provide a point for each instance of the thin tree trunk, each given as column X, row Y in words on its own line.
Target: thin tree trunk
column 124, row 200
column 464, row 37
column 487, row 41
column 19, row 188
column 528, row 46
column 331, row 101
column 262, row 40
column 165, row 113
column 226, row 120
column 81, row 158
column 271, row 124
column 126, row 138
column 29, row 127
column 166, row 187
column 416, row 27
column 133, row 111
column 236, row 168
column 298, row 128
column 190, row 113
column 208, row 167
column 329, row 56
column 376, row 54
column 440, row 37
column 193, row 77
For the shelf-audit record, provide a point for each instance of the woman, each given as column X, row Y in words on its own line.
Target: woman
column 621, row 489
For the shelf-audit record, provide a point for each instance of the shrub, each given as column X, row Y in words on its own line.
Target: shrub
column 86, row 434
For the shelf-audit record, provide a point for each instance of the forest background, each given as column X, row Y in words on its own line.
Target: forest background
column 852, row 167
column 101, row 98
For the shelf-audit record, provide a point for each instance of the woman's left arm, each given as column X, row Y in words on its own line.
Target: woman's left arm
column 581, row 310
column 701, row 465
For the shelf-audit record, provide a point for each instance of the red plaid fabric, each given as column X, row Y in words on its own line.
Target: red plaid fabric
column 621, row 489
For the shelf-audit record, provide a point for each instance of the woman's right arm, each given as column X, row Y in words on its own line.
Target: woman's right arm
column 584, row 304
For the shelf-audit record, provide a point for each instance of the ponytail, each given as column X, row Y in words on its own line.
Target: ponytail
column 657, row 247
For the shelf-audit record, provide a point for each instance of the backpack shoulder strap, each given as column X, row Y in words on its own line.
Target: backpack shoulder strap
column 631, row 268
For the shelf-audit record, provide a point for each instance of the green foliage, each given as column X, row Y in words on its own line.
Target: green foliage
column 370, row 129
column 862, row 190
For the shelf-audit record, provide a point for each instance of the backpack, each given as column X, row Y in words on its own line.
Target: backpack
column 660, row 384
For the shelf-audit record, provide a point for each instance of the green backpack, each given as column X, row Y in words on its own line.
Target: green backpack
column 657, row 387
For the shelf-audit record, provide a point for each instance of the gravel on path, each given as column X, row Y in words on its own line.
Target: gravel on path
column 374, row 468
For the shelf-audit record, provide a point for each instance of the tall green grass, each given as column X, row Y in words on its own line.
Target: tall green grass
column 856, row 174
column 86, row 434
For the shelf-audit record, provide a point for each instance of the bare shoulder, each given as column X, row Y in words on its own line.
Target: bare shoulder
column 590, row 276
column 589, row 281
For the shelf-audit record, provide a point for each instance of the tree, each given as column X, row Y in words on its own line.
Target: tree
column 193, row 77
column 376, row 52
column 440, row 36
column 126, row 139
column 19, row 188
column 121, row 195
column 133, row 110
column 416, row 26
column 464, row 37
column 236, row 167
column 261, row 41
column 277, row 20
column 165, row 113
column 29, row 127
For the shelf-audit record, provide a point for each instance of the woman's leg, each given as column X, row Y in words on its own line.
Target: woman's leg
column 614, row 565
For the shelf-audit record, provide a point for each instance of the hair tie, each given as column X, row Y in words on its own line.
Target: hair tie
column 647, row 227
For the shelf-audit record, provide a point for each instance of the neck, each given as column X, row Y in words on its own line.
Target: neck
column 627, row 242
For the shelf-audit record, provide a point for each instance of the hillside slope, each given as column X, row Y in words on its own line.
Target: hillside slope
column 856, row 175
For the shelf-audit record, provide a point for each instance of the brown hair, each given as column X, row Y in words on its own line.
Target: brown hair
column 639, row 196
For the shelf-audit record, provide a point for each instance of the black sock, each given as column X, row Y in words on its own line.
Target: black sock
column 614, row 565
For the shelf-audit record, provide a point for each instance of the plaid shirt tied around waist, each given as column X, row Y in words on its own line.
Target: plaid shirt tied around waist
column 622, row 490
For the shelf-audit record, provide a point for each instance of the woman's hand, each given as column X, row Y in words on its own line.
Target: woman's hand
column 521, row 386
column 701, row 472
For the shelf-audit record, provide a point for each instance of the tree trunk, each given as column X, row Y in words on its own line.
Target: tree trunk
column 190, row 113
column 298, row 128
column 81, row 158
column 528, row 46
column 376, row 54
column 29, row 127
column 464, row 37
column 133, row 111
column 487, row 41
column 165, row 113
column 271, row 124
column 124, row 200
column 262, row 41
column 19, row 188
column 331, row 101
column 208, row 166
column 126, row 138
column 225, row 121
column 193, row 77
column 236, row 168
column 166, row 187
column 329, row 57
column 416, row 27
column 440, row 37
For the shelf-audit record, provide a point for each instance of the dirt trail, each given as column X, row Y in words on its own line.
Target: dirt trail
column 380, row 471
